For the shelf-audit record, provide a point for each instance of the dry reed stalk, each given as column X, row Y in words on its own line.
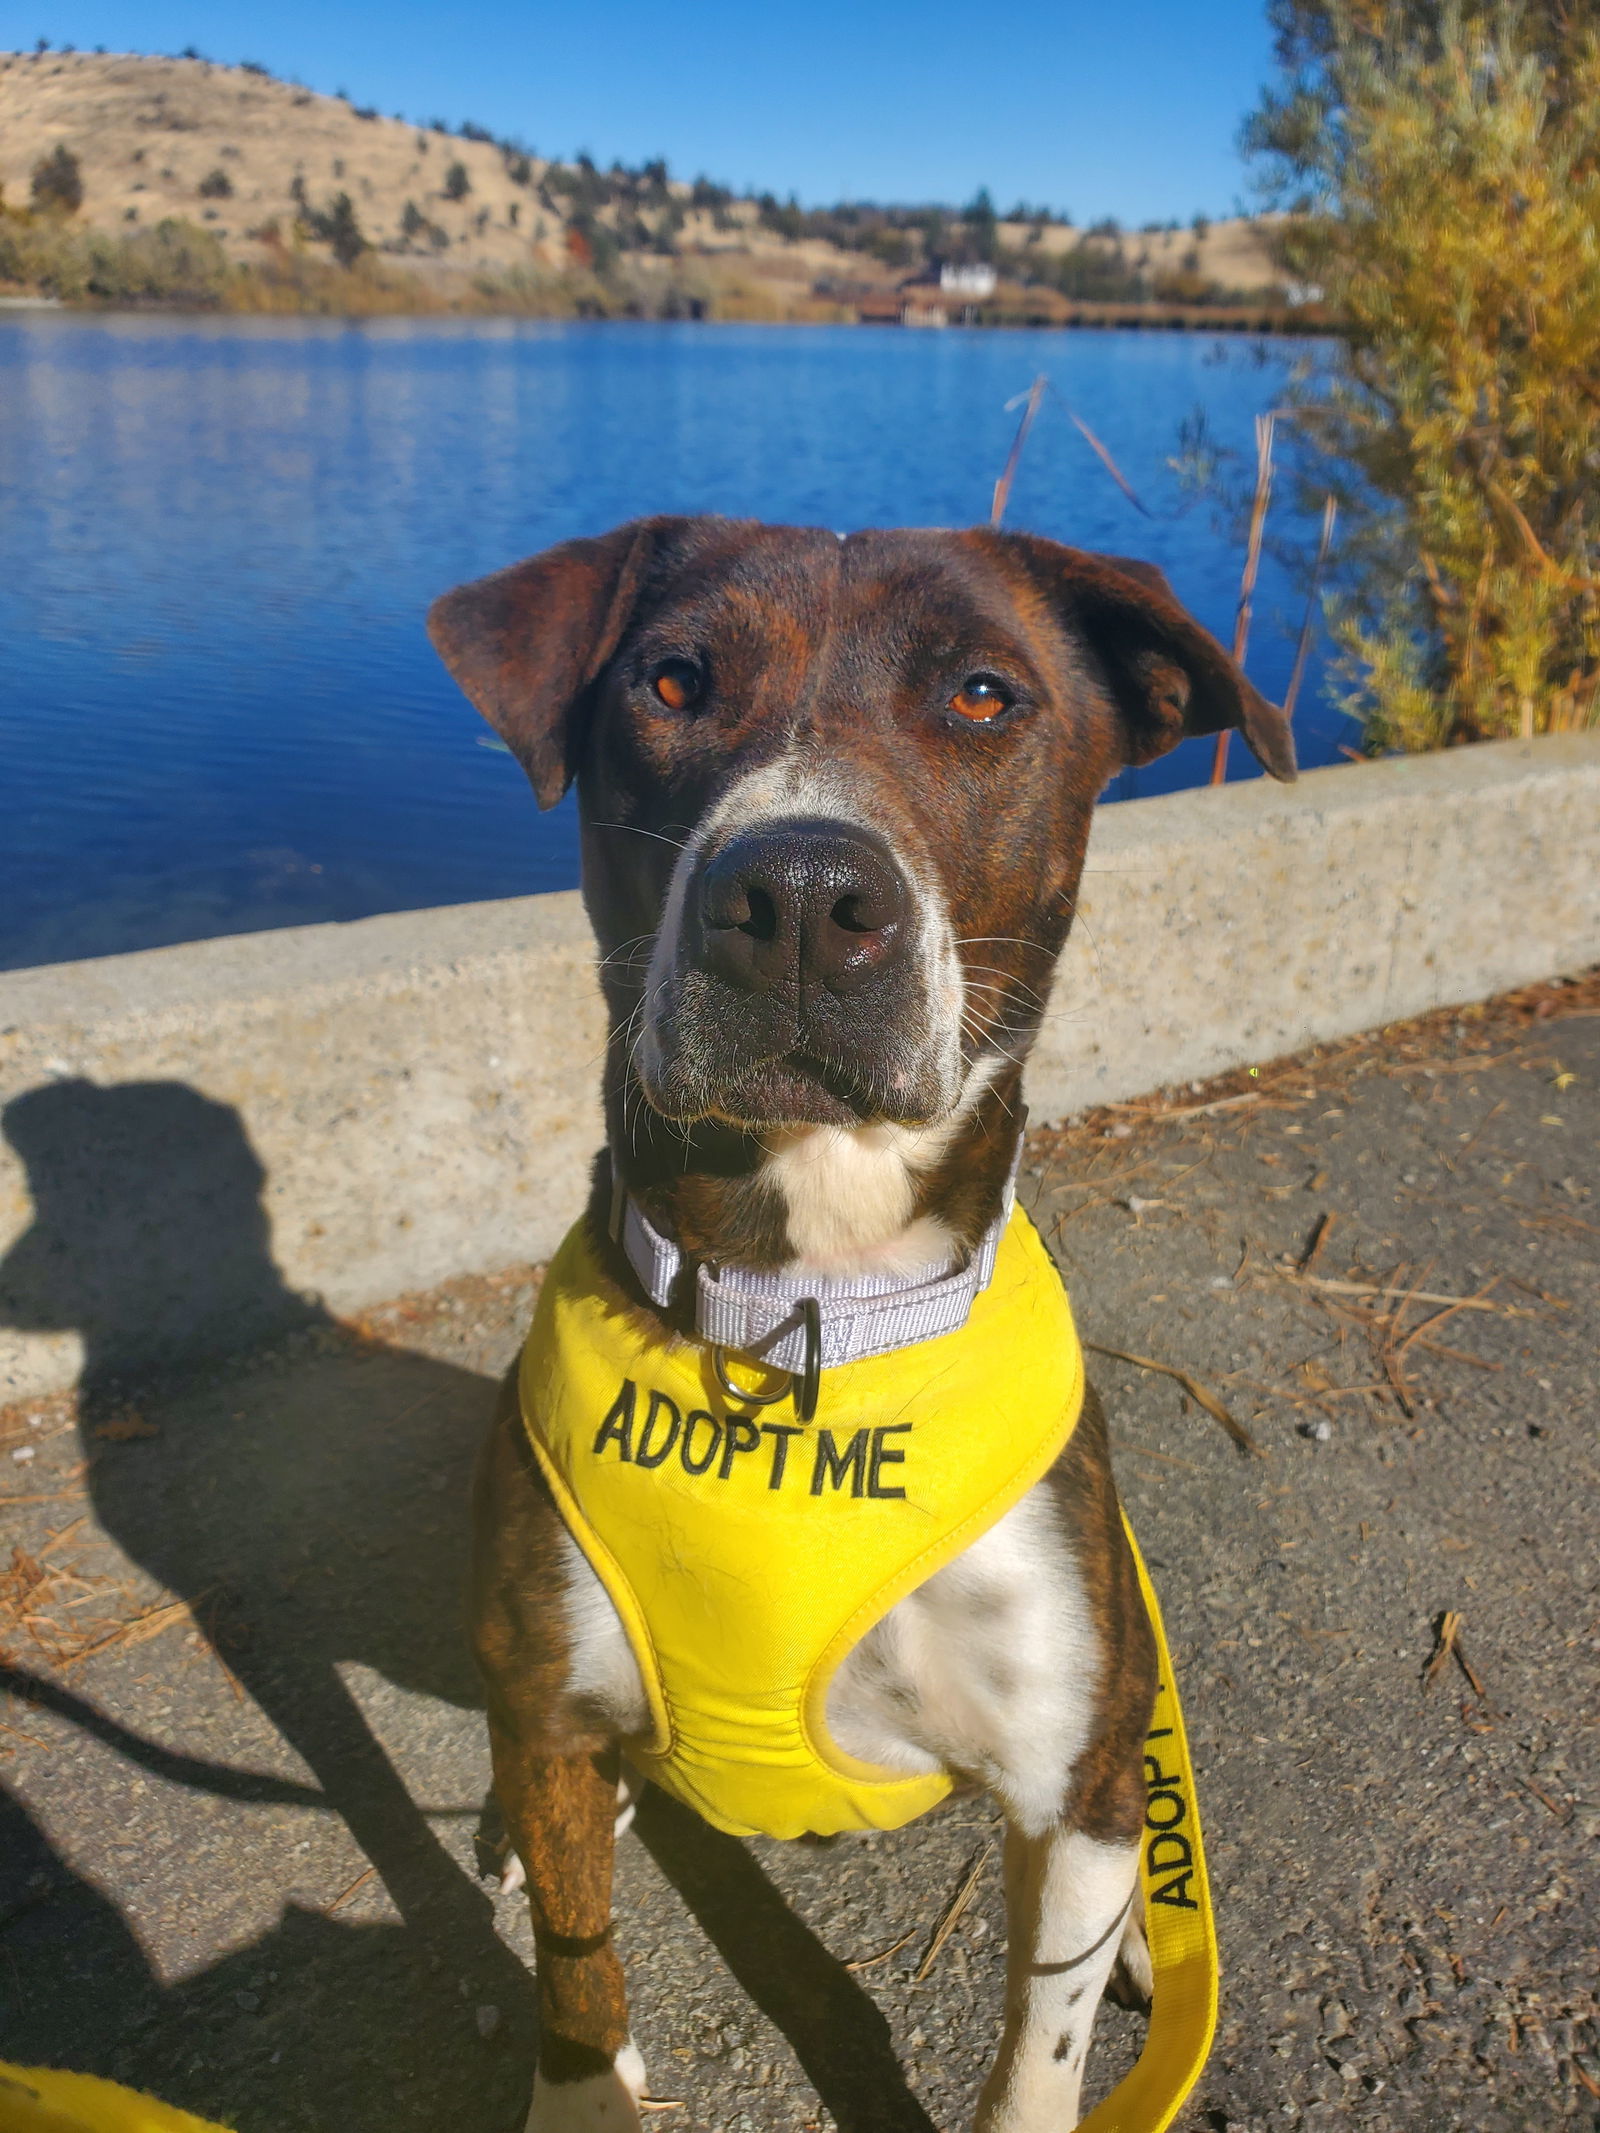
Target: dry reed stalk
column 1428, row 1325
column 1196, row 1391
column 1029, row 402
column 154, row 1622
column 1144, row 1451
column 1330, row 514
column 1448, row 1646
column 1002, row 488
column 63, row 1534
column 1444, row 1644
column 345, row 1894
column 866, row 1962
column 1266, row 427
column 1319, row 1237
column 1103, row 455
column 953, row 1910
column 1562, row 1814
column 1391, row 1355
column 1426, row 1296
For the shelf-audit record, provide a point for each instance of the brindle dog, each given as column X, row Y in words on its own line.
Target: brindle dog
column 835, row 795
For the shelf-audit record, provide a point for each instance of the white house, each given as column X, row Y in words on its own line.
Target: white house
column 975, row 281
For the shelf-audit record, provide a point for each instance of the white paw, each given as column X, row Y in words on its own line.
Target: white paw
column 1132, row 1980
column 604, row 2103
column 629, row 1787
column 513, row 1875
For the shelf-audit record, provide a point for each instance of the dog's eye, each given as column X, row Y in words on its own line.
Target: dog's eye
column 676, row 683
column 980, row 696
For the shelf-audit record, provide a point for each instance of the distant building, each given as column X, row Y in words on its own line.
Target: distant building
column 975, row 280
column 901, row 307
column 943, row 293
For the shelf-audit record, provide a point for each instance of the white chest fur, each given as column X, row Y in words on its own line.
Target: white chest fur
column 849, row 1192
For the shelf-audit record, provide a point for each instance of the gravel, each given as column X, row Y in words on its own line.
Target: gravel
column 1404, row 1874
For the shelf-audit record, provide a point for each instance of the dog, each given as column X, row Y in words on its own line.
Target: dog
column 834, row 796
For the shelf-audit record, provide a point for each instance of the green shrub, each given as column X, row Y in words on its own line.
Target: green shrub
column 337, row 226
column 289, row 282
column 174, row 263
column 57, row 182
column 415, row 226
column 216, row 185
column 1447, row 177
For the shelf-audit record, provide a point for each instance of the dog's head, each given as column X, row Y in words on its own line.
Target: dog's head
column 835, row 792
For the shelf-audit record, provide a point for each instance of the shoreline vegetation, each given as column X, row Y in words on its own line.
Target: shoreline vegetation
column 137, row 181
column 178, row 266
column 1438, row 173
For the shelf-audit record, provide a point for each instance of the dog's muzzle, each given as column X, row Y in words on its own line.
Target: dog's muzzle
column 794, row 985
column 802, row 908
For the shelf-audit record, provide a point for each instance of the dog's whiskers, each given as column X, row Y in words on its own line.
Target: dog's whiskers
column 678, row 844
column 994, row 970
column 1000, row 940
column 623, row 949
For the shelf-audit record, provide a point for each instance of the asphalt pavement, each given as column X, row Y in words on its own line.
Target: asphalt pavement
column 247, row 1860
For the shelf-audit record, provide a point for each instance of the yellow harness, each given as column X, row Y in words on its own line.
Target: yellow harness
column 748, row 1556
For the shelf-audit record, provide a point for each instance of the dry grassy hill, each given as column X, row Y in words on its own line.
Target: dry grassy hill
column 150, row 133
column 1231, row 253
column 259, row 164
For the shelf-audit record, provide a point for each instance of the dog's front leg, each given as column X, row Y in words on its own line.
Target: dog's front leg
column 1067, row 1899
column 560, row 1811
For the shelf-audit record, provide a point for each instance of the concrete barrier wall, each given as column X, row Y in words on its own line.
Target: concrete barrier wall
column 1224, row 927
column 195, row 1136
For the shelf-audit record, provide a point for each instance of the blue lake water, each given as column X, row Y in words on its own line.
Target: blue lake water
column 218, row 709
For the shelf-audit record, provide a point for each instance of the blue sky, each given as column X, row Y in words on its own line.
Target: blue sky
column 1129, row 110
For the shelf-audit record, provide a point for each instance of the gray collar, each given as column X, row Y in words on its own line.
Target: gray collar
column 807, row 1324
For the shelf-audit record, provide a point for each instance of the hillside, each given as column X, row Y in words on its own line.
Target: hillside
column 439, row 217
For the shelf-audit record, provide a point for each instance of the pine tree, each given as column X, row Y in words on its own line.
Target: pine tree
column 57, row 182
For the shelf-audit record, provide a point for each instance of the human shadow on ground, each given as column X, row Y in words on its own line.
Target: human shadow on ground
column 310, row 1502
column 839, row 2035
column 319, row 2026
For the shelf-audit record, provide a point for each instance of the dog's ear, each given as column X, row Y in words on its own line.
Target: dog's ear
column 525, row 644
column 1170, row 678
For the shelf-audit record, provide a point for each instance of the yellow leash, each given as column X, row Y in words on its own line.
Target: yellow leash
column 40, row 2099
column 1177, row 1917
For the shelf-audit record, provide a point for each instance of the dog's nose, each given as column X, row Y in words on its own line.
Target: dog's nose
column 802, row 903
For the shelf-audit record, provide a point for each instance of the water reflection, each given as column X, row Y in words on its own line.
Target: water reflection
column 220, row 537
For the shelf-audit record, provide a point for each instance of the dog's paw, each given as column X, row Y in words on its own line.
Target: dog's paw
column 629, row 1786
column 1131, row 1981
column 600, row 2103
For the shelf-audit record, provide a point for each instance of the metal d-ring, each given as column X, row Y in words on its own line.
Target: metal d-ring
column 740, row 1392
column 805, row 1383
